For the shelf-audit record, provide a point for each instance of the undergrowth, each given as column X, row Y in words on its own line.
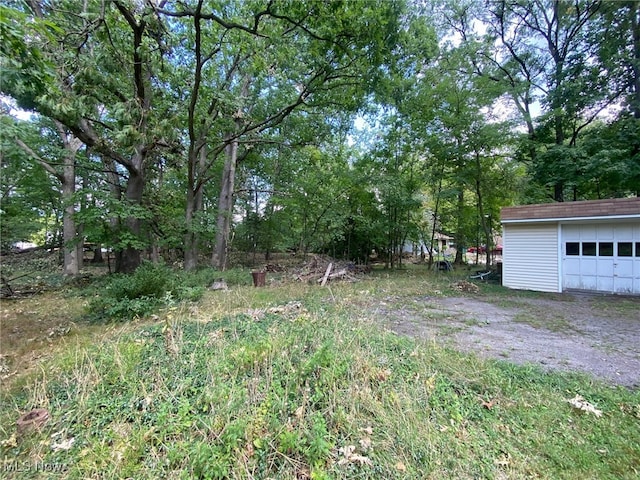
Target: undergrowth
column 296, row 383
column 120, row 297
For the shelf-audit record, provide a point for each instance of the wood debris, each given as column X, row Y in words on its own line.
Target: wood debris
column 314, row 268
column 322, row 269
column 274, row 268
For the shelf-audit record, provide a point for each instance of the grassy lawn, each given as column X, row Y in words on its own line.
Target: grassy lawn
column 294, row 381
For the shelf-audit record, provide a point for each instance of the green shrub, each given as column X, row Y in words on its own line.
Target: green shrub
column 151, row 286
column 149, row 280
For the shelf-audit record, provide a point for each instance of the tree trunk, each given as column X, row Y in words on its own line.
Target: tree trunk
column 190, row 237
column 72, row 242
column 436, row 212
column 72, row 258
column 460, row 237
column 97, row 254
column 129, row 258
column 485, row 221
column 195, row 203
column 225, row 206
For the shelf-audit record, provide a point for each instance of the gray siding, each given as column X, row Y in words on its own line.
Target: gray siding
column 530, row 257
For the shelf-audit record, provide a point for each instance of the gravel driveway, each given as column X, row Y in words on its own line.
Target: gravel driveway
column 596, row 334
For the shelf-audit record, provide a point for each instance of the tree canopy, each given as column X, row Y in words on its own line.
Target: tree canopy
column 194, row 128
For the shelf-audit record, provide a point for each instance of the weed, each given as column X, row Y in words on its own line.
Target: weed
column 619, row 307
column 537, row 318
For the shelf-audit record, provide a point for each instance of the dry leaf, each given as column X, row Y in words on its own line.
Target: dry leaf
column 355, row 458
column 580, row 403
column 430, row 383
column 367, row 430
column 255, row 314
column 349, row 456
column 250, row 450
column 63, row 445
column 365, row 444
column 490, row 404
column 347, row 451
column 10, row 442
column 401, row 467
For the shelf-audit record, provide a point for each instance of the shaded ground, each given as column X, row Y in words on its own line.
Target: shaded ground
column 595, row 334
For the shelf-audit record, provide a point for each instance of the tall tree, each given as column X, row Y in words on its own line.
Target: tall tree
column 66, row 175
column 100, row 62
column 253, row 65
column 544, row 53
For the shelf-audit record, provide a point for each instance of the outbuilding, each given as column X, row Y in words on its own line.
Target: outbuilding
column 589, row 245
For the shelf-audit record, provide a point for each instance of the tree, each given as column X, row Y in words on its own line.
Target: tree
column 66, row 175
column 30, row 198
column 550, row 54
column 253, row 65
column 94, row 52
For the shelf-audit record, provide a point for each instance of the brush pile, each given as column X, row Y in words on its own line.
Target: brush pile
column 321, row 269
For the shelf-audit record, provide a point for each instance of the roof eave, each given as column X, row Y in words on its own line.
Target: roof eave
column 571, row 219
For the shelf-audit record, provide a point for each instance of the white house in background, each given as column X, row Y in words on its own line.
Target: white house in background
column 590, row 245
column 441, row 243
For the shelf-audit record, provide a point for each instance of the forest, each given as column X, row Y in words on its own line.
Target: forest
column 192, row 130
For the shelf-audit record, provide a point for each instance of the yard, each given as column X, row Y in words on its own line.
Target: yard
column 409, row 374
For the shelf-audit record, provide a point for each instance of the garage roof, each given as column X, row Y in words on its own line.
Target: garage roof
column 589, row 209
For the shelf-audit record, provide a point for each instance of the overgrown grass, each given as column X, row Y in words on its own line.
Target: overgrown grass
column 295, row 382
column 151, row 287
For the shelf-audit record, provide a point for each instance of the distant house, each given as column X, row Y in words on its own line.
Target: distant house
column 589, row 245
column 441, row 243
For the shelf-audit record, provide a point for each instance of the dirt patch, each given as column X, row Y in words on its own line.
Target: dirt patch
column 596, row 334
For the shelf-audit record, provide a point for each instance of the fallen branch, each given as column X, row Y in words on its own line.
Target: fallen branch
column 342, row 274
column 326, row 274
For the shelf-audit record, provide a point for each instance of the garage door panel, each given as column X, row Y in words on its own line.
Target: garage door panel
column 625, row 285
column 624, row 233
column 588, row 282
column 604, row 284
column 572, row 264
column 603, row 232
column 571, row 233
column 588, row 267
column 624, row 268
column 572, row 281
column 605, row 268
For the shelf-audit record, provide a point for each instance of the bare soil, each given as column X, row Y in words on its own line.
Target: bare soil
column 594, row 334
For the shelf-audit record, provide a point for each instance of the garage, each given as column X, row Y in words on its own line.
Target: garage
column 590, row 245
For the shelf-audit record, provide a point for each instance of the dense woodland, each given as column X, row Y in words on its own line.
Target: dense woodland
column 196, row 128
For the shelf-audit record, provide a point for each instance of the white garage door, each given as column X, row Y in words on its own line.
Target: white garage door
column 530, row 258
column 603, row 257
